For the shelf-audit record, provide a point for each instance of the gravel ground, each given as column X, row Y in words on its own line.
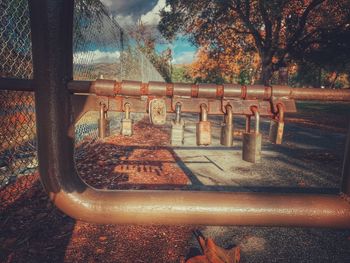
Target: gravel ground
column 33, row 230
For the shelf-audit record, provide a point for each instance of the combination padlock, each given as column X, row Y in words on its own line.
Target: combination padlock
column 177, row 127
column 103, row 122
column 226, row 138
column 277, row 126
column 203, row 131
column 126, row 123
column 252, row 140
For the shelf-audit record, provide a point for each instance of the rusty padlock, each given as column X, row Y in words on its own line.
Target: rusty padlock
column 203, row 127
column 126, row 124
column 177, row 127
column 227, row 128
column 103, row 122
column 277, row 126
column 252, row 140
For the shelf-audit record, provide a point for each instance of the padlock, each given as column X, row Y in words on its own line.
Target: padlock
column 227, row 128
column 203, row 132
column 177, row 127
column 157, row 111
column 126, row 123
column 277, row 126
column 252, row 140
column 103, row 122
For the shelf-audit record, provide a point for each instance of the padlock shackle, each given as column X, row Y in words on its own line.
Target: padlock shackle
column 229, row 114
column 204, row 112
column 178, row 112
column 127, row 110
column 280, row 112
column 255, row 111
column 102, row 121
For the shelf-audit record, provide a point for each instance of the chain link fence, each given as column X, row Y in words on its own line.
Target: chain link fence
column 101, row 49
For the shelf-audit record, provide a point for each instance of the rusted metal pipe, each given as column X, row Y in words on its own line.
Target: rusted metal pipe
column 51, row 23
column 136, row 88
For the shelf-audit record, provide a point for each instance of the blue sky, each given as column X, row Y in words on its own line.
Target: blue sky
column 182, row 50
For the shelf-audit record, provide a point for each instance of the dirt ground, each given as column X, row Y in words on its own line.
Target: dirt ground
column 33, row 230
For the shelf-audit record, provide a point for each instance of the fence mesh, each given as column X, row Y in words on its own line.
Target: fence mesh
column 101, row 49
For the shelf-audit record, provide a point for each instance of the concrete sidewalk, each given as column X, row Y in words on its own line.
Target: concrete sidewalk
column 309, row 160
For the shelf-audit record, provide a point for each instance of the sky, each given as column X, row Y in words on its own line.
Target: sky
column 129, row 12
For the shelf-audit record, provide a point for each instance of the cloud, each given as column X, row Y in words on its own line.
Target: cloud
column 152, row 17
column 134, row 8
column 185, row 57
column 95, row 56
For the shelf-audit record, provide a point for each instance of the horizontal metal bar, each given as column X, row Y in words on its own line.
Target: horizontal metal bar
column 16, row 84
column 207, row 208
column 136, row 88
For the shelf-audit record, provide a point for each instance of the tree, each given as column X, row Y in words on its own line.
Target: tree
column 280, row 29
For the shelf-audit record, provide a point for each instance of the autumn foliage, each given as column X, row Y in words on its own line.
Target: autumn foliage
column 279, row 32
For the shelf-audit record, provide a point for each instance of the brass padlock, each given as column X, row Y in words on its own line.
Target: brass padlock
column 177, row 127
column 252, row 140
column 277, row 126
column 126, row 124
column 203, row 127
column 103, row 122
column 227, row 128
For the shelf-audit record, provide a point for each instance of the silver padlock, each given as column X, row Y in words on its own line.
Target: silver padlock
column 177, row 127
column 103, row 122
column 251, row 151
column 203, row 132
column 126, row 124
column 227, row 128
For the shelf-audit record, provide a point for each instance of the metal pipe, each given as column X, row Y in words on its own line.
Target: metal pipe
column 134, row 88
column 51, row 23
column 16, row 84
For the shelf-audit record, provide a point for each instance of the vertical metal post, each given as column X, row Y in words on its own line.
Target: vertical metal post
column 345, row 187
column 51, row 33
